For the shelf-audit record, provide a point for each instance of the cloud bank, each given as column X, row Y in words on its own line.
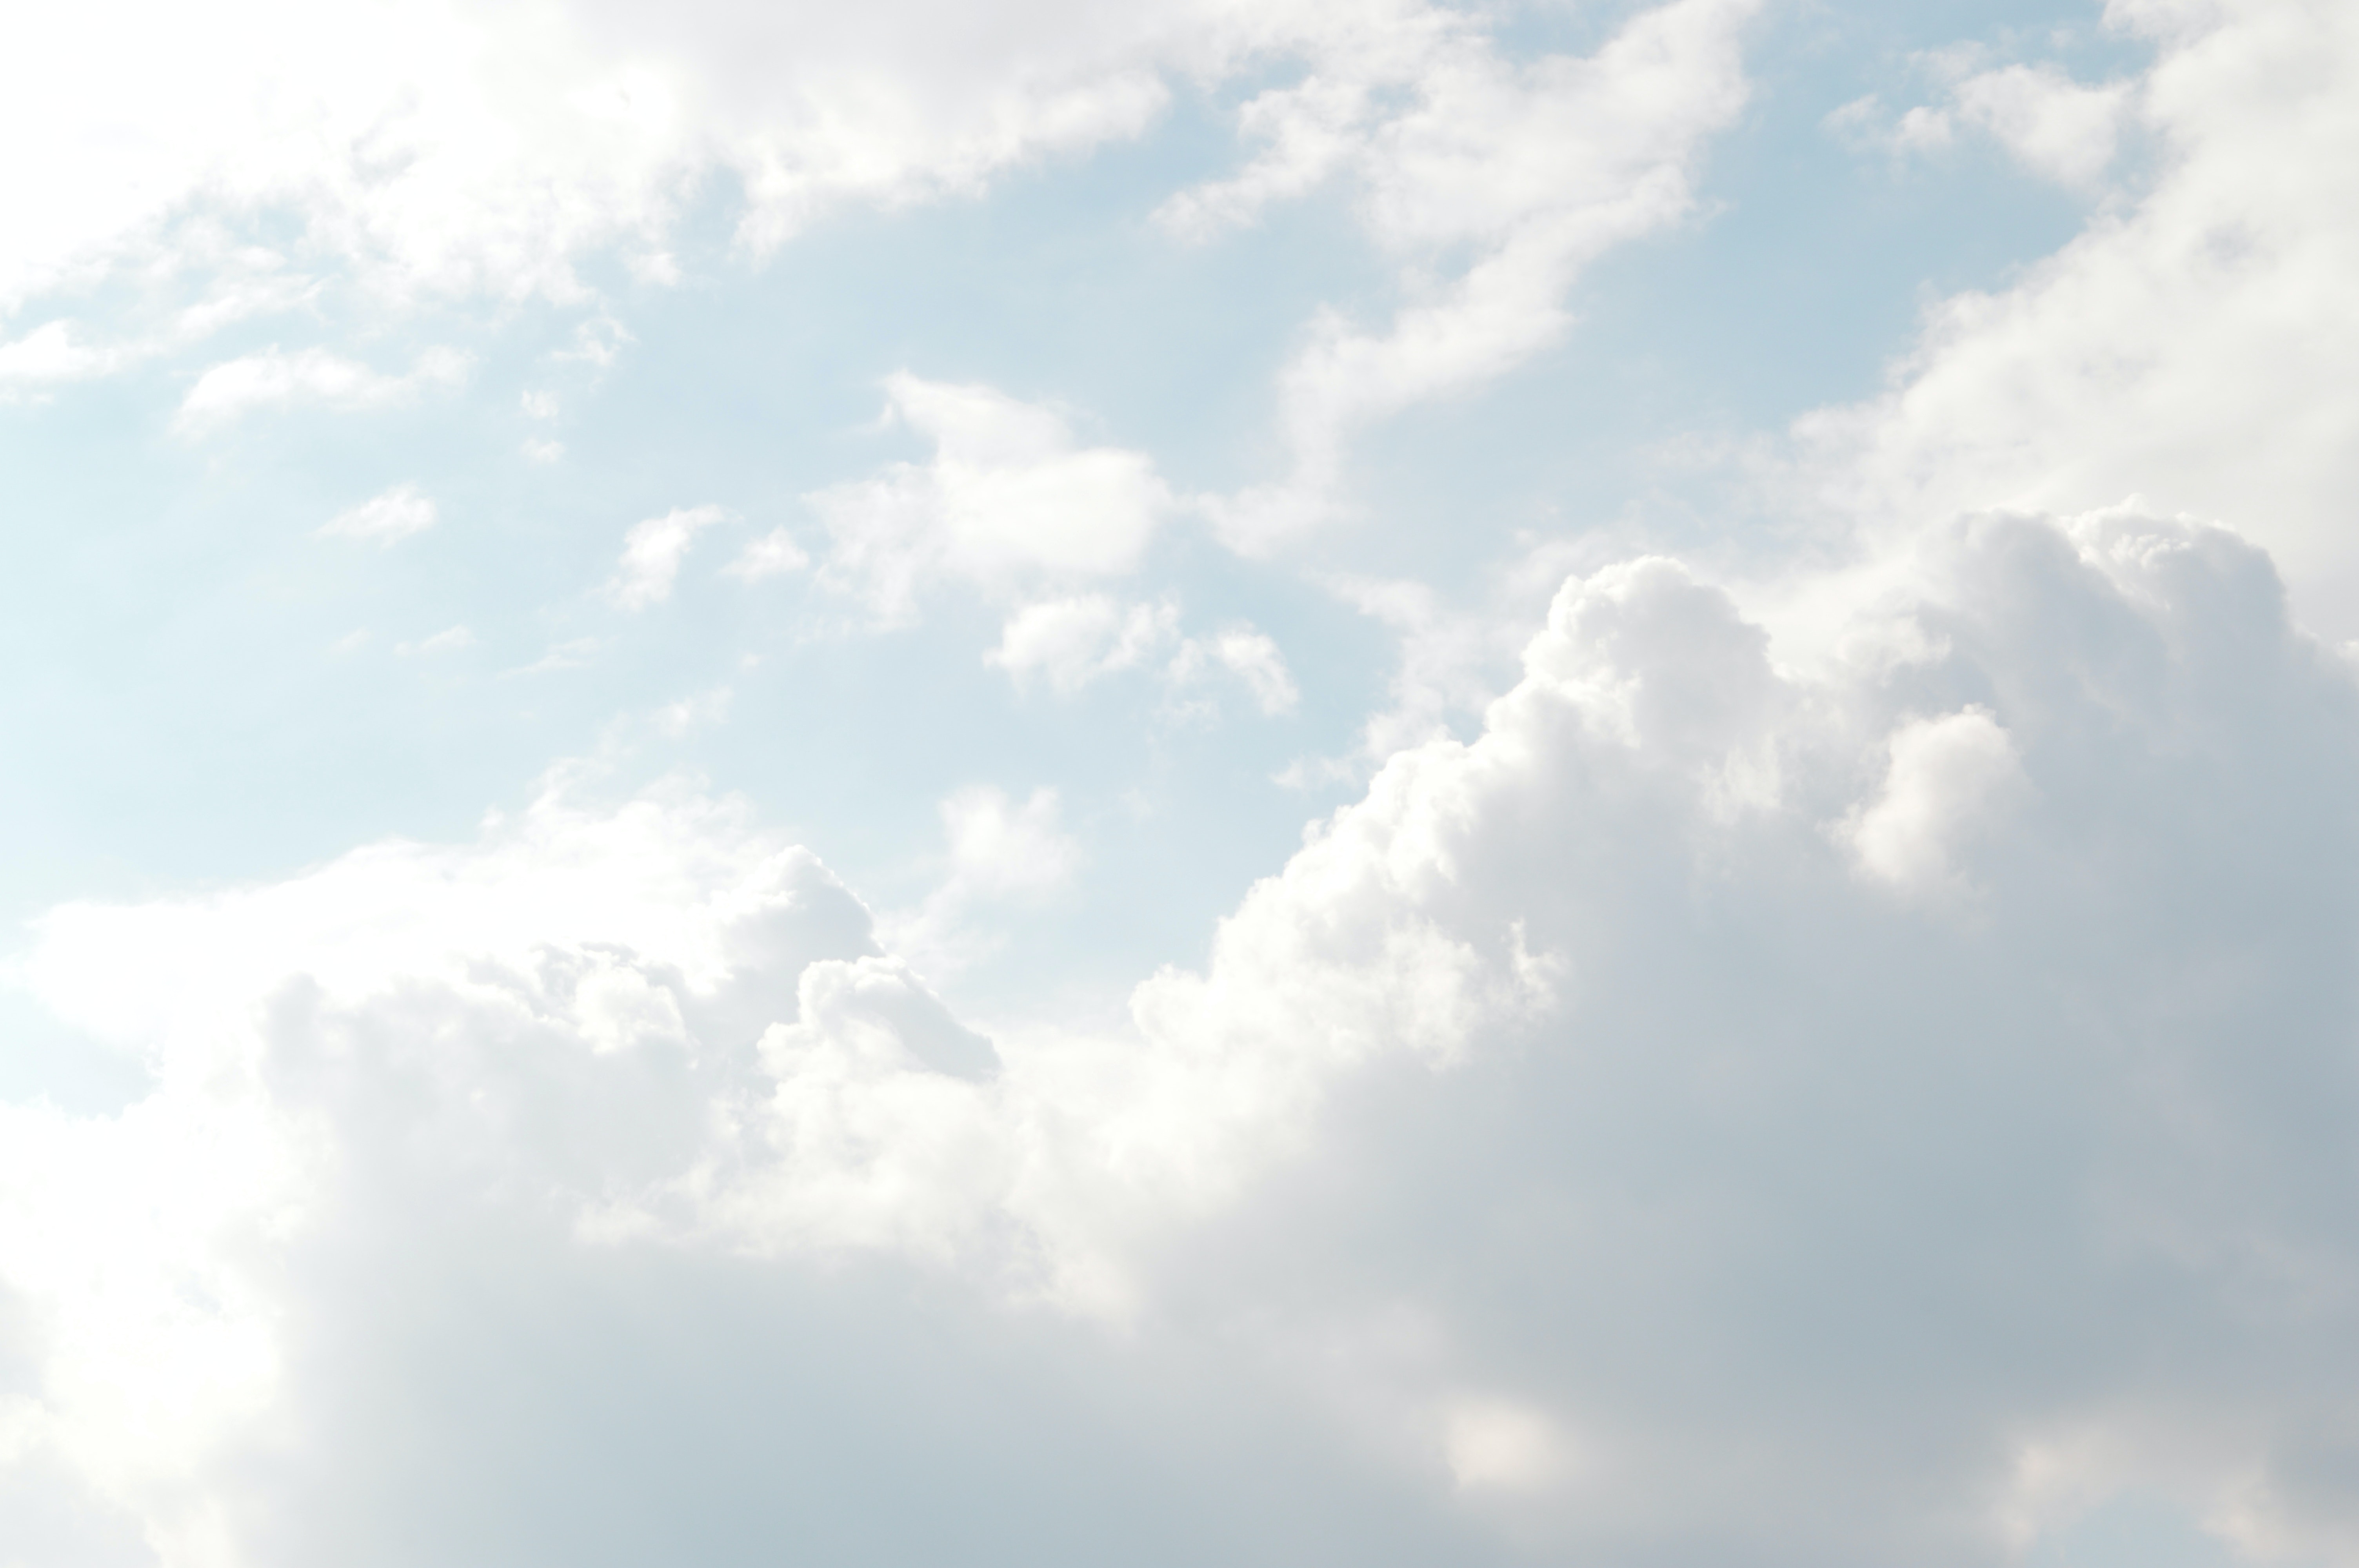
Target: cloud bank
column 1847, row 1065
column 1717, row 1115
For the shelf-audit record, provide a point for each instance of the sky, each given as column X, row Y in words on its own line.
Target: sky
column 1333, row 782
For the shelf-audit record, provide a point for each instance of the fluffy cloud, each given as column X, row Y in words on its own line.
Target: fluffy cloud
column 1073, row 641
column 1723, row 1113
column 1009, row 501
column 2189, row 347
column 652, row 554
column 1946, row 776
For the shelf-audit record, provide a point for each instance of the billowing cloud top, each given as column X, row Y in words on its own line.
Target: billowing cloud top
column 1195, row 852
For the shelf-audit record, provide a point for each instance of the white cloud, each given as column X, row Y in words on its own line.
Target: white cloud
column 1000, row 852
column 652, row 554
column 2055, row 127
column 396, row 515
column 55, row 352
column 1254, row 657
column 49, row 354
column 2188, row 346
column 1533, row 169
column 1009, row 501
column 1251, row 656
column 444, row 148
column 1076, row 640
column 1073, row 641
column 1602, row 1141
column 1947, row 775
column 440, row 148
column 276, row 379
column 1656, row 1106
column 773, row 555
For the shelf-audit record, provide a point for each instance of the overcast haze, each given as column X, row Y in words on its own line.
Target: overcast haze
column 1324, row 782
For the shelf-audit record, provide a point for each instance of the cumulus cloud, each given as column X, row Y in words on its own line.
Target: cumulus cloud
column 1009, row 501
column 652, row 554
column 1947, row 775
column 1590, row 1132
column 1866, row 1084
column 315, row 376
column 2189, row 348
column 1073, row 641
column 396, row 515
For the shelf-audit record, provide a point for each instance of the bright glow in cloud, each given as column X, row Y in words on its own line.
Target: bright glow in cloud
column 1946, row 773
